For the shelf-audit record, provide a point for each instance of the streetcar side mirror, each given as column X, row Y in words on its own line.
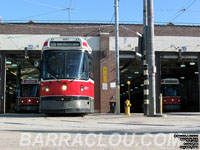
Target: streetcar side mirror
column 36, row 63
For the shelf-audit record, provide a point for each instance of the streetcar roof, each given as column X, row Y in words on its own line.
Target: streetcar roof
column 170, row 81
column 66, row 43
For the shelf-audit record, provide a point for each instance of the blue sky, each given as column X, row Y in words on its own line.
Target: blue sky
column 130, row 11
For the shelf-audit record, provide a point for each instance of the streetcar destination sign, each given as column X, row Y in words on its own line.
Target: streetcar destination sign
column 64, row 44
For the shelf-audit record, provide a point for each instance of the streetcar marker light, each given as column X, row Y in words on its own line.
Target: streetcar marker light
column 64, row 87
column 45, row 43
column 85, row 44
column 47, row 89
column 82, row 88
column 29, row 100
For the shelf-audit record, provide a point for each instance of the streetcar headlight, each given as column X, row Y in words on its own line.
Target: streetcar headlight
column 37, row 101
column 47, row 89
column 64, row 87
column 22, row 101
column 82, row 88
column 29, row 100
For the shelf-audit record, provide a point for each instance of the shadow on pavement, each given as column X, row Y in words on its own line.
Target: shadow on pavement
column 110, row 132
column 19, row 115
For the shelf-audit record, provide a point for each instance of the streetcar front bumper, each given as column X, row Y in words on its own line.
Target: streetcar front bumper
column 66, row 104
column 27, row 108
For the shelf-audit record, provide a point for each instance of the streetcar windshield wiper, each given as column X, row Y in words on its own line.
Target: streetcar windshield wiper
column 53, row 76
column 75, row 79
column 49, row 71
column 80, row 76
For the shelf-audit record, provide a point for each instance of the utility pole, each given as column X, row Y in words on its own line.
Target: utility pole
column 117, row 58
column 145, row 21
column 151, row 59
column 145, row 61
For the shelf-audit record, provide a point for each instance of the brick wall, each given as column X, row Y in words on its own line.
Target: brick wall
column 126, row 30
column 105, row 95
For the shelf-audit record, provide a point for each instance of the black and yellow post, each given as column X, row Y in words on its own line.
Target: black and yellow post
column 146, row 86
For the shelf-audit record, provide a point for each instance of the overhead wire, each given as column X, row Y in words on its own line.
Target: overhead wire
column 112, row 18
column 42, row 4
column 113, row 14
column 170, row 10
column 46, row 13
column 37, row 15
column 183, row 9
column 69, row 8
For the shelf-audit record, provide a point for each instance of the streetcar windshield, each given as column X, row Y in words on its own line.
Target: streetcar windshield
column 170, row 90
column 64, row 65
column 29, row 90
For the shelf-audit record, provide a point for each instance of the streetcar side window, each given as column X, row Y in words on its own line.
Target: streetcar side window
column 84, row 74
column 90, row 61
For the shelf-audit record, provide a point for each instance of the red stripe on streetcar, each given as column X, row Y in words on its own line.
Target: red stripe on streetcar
column 75, row 88
column 171, row 100
column 28, row 100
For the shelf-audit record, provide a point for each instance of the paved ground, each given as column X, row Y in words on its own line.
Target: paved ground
column 99, row 131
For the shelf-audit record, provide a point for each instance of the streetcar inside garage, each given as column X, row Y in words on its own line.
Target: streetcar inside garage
column 186, row 71
column 18, row 67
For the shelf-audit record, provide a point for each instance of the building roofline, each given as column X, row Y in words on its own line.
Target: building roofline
column 47, row 23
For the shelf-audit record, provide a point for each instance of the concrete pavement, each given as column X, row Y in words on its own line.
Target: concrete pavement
column 99, row 131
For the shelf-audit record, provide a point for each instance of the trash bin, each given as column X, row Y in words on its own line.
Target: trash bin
column 112, row 107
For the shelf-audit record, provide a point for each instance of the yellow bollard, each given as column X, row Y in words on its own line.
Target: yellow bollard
column 127, row 107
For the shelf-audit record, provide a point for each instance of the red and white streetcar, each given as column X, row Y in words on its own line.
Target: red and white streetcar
column 28, row 96
column 170, row 88
column 67, row 84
